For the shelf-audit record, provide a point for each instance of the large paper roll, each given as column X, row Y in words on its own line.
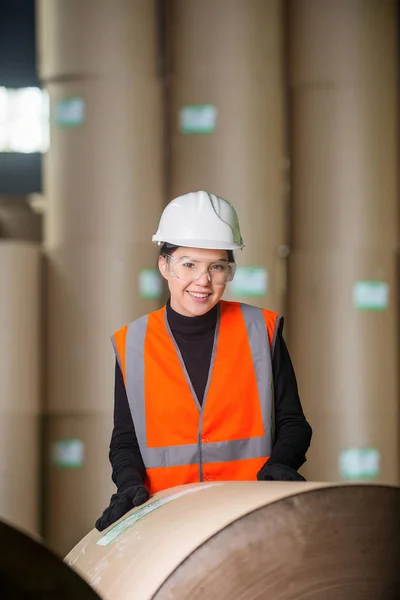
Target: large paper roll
column 92, row 291
column 260, row 279
column 242, row 158
column 29, row 570
column 343, row 67
column 20, row 386
column 227, row 123
column 103, row 175
column 343, row 339
column 228, row 36
column 18, row 221
column 96, row 38
column 342, row 43
column 20, row 343
column 250, row 540
column 20, row 470
column 344, row 162
column 78, row 476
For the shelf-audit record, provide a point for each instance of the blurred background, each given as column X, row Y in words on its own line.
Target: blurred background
column 108, row 110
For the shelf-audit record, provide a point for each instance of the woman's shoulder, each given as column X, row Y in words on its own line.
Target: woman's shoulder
column 248, row 309
column 141, row 321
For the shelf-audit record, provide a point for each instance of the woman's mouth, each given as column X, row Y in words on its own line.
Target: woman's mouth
column 199, row 296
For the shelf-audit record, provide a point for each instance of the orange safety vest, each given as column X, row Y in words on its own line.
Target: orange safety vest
column 229, row 436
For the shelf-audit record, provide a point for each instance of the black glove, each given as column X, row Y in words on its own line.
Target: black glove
column 277, row 472
column 121, row 503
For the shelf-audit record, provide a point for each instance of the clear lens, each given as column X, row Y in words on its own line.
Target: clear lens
column 191, row 269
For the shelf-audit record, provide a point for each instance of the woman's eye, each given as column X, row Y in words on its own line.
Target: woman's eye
column 218, row 267
column 188, row 265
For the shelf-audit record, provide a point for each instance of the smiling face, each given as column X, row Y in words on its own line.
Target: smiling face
column 193, row 298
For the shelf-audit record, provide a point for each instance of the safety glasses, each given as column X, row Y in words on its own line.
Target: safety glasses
column 189, row 269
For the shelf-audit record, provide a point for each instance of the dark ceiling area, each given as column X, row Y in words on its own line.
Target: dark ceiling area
column 19, row 173
column 17, row 43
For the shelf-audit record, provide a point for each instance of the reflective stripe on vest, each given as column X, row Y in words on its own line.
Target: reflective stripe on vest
column 261, row 335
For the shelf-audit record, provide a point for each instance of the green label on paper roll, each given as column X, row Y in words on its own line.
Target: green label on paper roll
column 145, row 510
column 371, row 295
column 68, row 453
column 69, row 112
column 150, row 283
column 198, row 118
column 249, row 281
column 359, row 463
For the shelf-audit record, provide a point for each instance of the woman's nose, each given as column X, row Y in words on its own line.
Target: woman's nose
column 204, row 278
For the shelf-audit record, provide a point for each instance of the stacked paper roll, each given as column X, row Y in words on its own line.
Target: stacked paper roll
column 104, row 185
column 227, row 126
column 20, row 377
column 344, row 232
column 18, row 221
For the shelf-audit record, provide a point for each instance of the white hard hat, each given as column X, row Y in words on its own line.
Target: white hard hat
column 200, row 220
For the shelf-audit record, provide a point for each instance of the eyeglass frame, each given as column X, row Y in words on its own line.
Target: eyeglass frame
column 231, row 264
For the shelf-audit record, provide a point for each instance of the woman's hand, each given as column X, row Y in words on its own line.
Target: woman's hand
column 121, row 503
column 278, row 472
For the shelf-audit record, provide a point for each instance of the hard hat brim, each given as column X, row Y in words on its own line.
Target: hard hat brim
column 203, row 244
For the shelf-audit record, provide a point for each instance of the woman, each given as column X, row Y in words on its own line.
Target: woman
column 204, row 389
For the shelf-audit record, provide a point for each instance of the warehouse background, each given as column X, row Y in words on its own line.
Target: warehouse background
column 289, row 109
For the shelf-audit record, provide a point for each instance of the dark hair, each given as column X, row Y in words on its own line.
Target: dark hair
column 167, row 248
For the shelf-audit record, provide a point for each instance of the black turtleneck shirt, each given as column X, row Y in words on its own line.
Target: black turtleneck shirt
column 195, row 338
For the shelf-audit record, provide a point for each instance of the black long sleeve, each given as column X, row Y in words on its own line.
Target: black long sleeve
column 292, row 432
column 125, row 456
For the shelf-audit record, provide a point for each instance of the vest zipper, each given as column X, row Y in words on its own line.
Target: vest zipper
column 199, row 406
